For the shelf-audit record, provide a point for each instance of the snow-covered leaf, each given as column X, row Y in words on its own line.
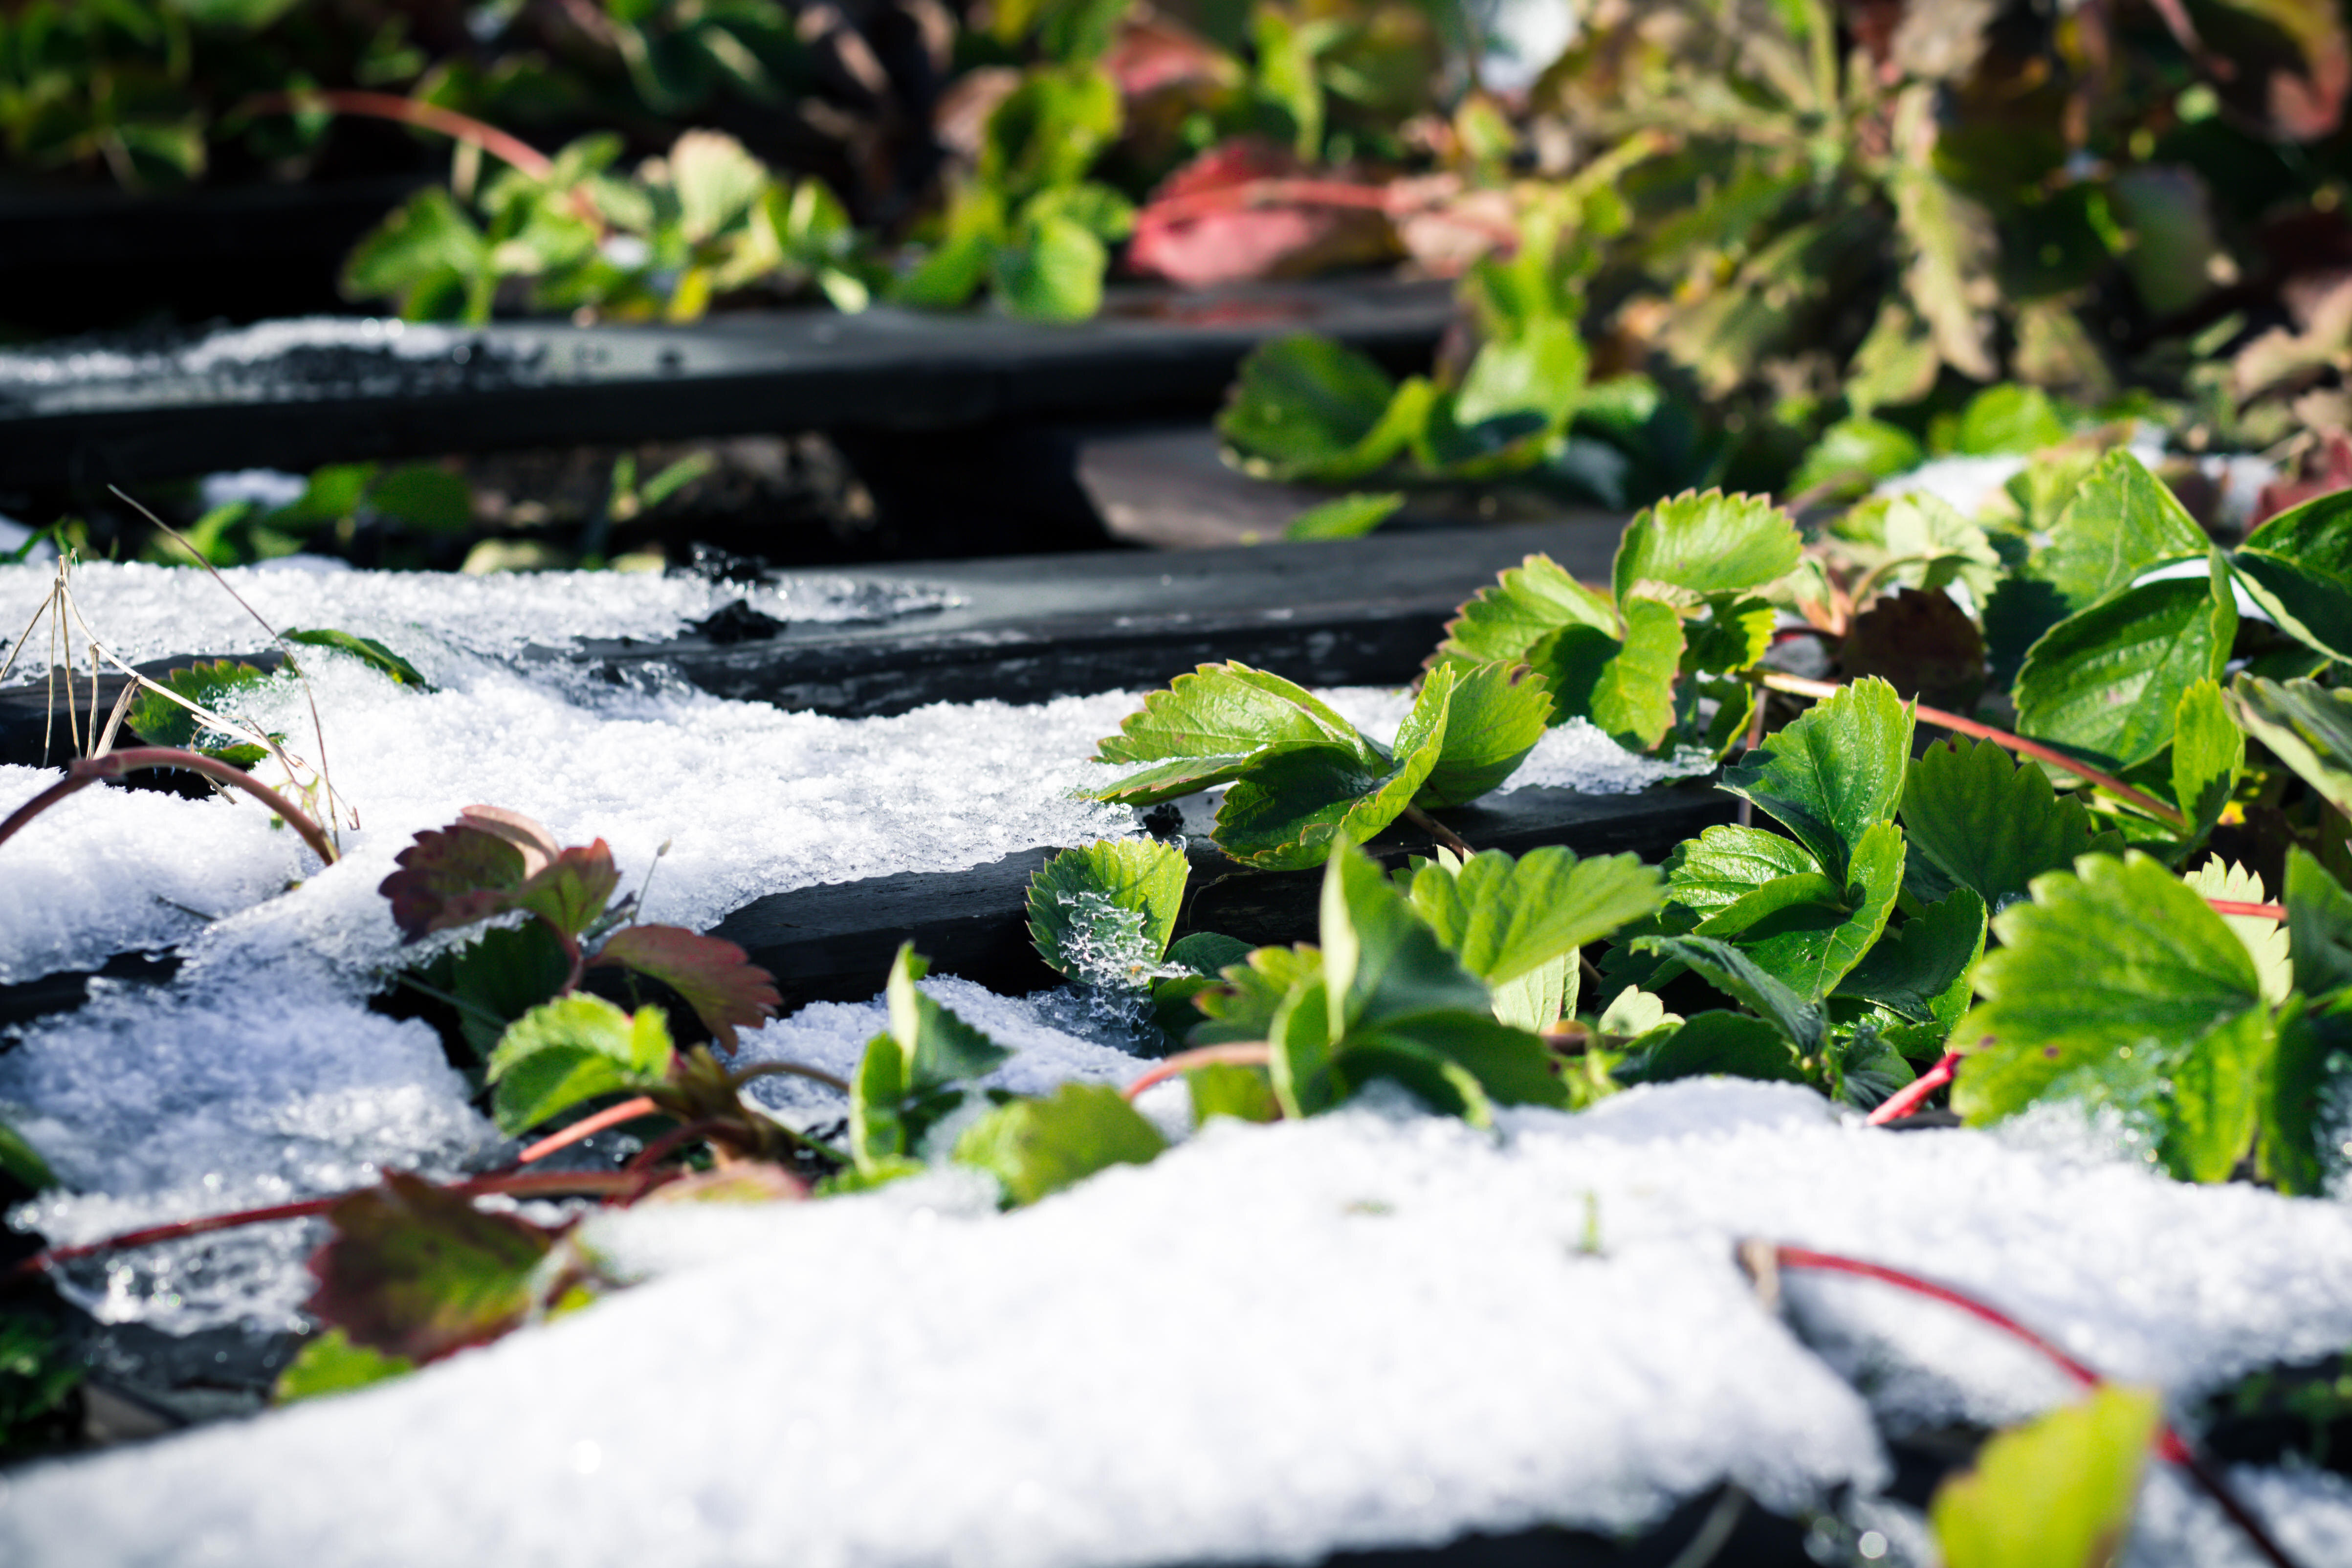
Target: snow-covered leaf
column 1103, row 911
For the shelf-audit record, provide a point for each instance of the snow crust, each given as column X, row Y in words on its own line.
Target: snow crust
column 146, row 611
column 1368, row 1328
column 1573, row 755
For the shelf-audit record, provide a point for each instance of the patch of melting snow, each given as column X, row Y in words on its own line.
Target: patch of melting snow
column 1371, row 1329
column 1574, row 755
column 433, row 619
column 231, row 349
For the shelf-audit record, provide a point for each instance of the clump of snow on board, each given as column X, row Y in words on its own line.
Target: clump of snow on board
column 1372, row 1329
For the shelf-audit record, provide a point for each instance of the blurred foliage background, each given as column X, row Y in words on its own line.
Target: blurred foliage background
column 1790, row 244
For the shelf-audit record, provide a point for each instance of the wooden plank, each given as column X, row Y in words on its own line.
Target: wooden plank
column 87, row 420
column 1362, row 612
column 834, row 941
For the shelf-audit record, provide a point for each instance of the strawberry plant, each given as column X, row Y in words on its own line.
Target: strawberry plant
column 1648, row 660
column 1303, row 778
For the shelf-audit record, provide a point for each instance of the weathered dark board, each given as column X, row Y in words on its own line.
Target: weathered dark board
column 515, row 384
column 1362, row 611
column 834, row 941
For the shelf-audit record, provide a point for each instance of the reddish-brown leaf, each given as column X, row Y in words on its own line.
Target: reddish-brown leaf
column 725, row 988
column 418, row 1271
column 1205, row 225
column 537, row 844
column 1922, row 644
column 572, row 889
column 452, row 876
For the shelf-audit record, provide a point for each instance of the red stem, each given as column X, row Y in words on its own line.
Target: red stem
column 588, row 1127
column 527, row 1184
column 1915, row 1093
column 2169, row 1445
column 1799, row 686
column 508, row 149
column 1253, row 1053
column 675, row 1138
column 83, row 771
column 2260, row 912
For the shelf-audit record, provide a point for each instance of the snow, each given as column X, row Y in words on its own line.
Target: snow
column 1572, row 755
column 1969, row 484
column 147, row 612
column 1371, row 1329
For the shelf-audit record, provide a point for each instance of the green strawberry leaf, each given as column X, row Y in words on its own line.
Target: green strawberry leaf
column 2208, row 754
column 1208, row 952
column 416, row 1271
column 1806, row 931
column 1732, row 637
column 1226, row 708
column 1231, row 1088
column 716, row 978
column 367, row 650
column 1494, row 714
column 938, row 1048
column 1731, row 1044
column 2057, row 1492
column 504, row 974
column 1977, row 820
column 1102, row 912
column 2266, row 940
column 1626, row 689
column 1305, row 407
column 1740, row 977
column 2299, row 567
column 1296, row 802
column 2298, row 1144
column 160, row 722
column 1833, row 773
column 2122, row 521
column 1919, row 969
column 1706, row 543
column 22, row 1162
column 2320, row 926
column 1527, row 604
column 1727, row 863
column 1345, row 517
column 575, row 1049
column 1038, row 1147
column 331, row 1364
column 2306, row 726
column 1243, row 1008
column 2107, row 683
column 2120, row 965
column 1503, row 918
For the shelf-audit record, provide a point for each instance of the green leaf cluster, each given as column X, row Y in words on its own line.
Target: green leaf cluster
column 1027, row 223
column 1303, row 779
column 705, row 220
column 2120, row 985
column 1652, row 660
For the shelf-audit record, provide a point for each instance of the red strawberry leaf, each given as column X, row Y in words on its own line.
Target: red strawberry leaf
column 724, row 988
column 418, row 1271
column 452, row 876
